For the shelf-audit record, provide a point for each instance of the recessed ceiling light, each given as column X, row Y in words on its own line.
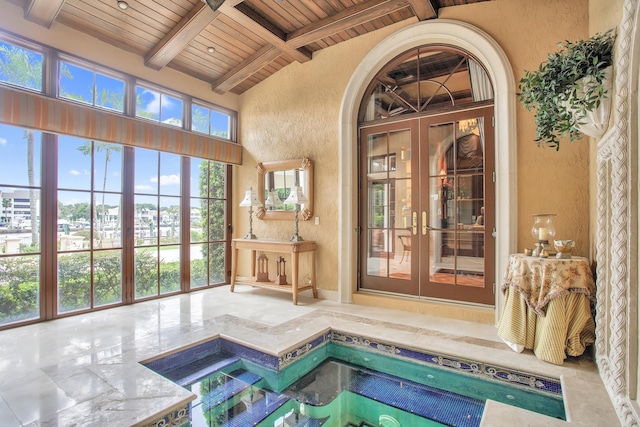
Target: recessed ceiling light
column 210, row 49
column 123, row 5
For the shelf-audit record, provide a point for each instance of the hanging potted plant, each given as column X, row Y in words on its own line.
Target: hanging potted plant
column 571, row 90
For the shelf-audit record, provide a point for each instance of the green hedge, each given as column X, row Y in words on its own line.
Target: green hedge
column 19, row 280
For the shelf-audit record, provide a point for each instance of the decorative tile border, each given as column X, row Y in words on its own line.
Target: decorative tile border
column 497, row 373
column 295, row 354
column 178, row 418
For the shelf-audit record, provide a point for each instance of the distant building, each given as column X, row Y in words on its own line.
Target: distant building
column 15, row 209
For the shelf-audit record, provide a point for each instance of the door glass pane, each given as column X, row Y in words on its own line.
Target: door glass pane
column 441, row 257
column 456, row 193
column 389, row 205
column 469, row 148
column 470, row 260
column 401, row 265
column 377, row 258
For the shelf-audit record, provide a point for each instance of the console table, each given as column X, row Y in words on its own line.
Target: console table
column 280, row 246
column 548, row 306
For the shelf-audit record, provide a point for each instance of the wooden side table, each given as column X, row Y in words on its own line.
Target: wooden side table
column 279, row 246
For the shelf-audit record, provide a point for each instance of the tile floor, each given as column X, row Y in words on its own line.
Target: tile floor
column 84, row 370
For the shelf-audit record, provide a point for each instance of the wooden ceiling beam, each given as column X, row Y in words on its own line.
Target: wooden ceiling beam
column 180, row 36
column 246, row 17
column 343, row 20
column 42, row 12
column 245, row 69
column 424, row 9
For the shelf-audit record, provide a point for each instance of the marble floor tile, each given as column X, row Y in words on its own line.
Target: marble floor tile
column 85, row 371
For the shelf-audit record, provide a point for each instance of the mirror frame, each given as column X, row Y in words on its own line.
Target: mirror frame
column 263, row 168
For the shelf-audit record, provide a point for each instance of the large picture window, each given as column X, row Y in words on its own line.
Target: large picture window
column 101, row 217
column 103, row 223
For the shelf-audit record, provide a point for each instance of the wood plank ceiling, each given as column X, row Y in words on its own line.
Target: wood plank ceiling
column 251, row 39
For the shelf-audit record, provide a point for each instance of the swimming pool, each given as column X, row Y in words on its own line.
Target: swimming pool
column 338, row 379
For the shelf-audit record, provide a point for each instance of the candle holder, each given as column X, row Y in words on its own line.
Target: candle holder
column 543, row 229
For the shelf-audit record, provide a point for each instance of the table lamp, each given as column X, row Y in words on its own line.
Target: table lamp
column 296, row 198
column 273, row 200
column 251, row 200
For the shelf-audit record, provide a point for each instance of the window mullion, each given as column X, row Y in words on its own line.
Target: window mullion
column 185, row 224
column 128, row 225
column 48, row 228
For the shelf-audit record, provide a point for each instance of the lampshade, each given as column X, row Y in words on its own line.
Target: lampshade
column 273, row 199
column 296, row 197
column 250, row 199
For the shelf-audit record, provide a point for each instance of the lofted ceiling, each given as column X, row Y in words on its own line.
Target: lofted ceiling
column 239, row 44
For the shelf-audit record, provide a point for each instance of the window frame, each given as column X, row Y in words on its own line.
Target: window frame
column 48, row 203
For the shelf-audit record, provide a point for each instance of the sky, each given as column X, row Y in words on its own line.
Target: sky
column 74, row 167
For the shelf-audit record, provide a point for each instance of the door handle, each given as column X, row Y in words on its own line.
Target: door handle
column 424, row 223
column 414, row 223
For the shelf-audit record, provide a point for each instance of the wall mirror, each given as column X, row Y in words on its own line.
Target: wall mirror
column 280, row 177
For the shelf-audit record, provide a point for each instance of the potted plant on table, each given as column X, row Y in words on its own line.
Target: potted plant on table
column 569, row 88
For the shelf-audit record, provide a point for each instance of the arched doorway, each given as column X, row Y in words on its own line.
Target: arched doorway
column 426, row 211
column 492, row 57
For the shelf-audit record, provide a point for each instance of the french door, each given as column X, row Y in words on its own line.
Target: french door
column 427, row 207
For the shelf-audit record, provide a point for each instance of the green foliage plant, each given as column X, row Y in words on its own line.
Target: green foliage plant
column 556, row 90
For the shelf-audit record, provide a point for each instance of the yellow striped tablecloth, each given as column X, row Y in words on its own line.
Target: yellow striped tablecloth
column 548, row 306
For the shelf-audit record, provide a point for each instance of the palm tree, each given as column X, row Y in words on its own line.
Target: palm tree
column 35, row 234
column 6, row 204
column 87, row 150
